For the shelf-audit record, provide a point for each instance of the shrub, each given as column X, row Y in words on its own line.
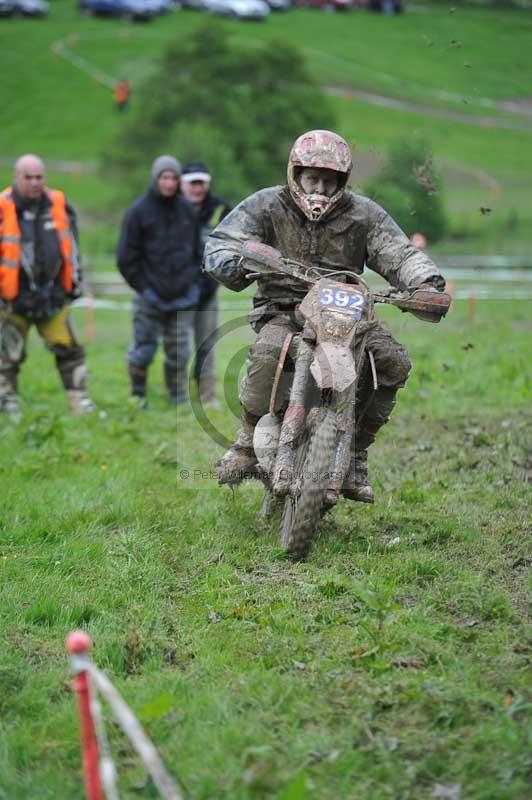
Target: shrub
column 236, row 106
column 409, row 188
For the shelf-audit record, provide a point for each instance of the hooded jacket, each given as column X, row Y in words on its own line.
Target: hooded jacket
column 357, row 233
column 159, row 252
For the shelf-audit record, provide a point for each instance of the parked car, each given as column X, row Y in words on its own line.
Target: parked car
column 7, row 8
column 327, row 5
column 197, row 5
column 31, row 8
column 239, row 9
column 165, row 6
column 279, row 5
column 141, row 10
column 386, row 6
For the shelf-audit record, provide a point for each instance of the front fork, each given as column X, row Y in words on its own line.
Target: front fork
column 294, row 418
column 342, row 454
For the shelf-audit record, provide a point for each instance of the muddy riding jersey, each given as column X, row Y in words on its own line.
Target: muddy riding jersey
column 357, row 233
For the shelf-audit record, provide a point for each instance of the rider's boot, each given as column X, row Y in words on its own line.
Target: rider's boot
column 240, row 461
column 356, row 485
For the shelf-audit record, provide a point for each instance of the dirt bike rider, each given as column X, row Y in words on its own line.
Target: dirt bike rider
column 314, row 220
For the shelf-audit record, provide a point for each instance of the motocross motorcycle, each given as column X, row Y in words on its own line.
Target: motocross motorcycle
column 304, row 452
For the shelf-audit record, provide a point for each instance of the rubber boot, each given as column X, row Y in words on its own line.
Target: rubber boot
column 70, row 362
column 9, row 402
column 356, row 485
column 176, row 384
column 79, row 402
column 207, row 392
column 138, row 377
column 240, row 461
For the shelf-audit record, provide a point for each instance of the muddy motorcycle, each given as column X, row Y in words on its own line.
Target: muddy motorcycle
column 304, row 453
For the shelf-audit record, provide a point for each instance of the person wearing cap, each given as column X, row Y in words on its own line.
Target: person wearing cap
column 159, row 255
column 211, row 209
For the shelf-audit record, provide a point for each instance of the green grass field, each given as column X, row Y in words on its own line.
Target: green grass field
column 464, row 62
column 393, row 664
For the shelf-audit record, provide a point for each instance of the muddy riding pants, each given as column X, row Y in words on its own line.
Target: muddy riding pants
column 59, row 338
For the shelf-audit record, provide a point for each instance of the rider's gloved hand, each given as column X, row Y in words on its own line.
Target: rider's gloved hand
column 436, row 283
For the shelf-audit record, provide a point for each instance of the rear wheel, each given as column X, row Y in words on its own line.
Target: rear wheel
column 303, row 509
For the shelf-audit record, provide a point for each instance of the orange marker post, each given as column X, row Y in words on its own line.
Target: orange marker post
column 78, row 644
column 471, row 300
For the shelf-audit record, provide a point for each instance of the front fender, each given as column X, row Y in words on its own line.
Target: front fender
column 333, row 366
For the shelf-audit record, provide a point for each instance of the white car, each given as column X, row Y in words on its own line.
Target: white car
column 24, row 8
column 239, row 9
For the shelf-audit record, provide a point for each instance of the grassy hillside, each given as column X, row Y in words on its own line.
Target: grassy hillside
column 462, row 63
column 390, row 665
column 393, row 664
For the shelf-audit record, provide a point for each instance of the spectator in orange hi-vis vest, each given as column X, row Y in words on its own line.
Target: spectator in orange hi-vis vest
column 121, row 94
column 39, row 277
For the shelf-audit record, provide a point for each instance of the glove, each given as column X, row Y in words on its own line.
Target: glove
column 151, row 298
column 437, row 283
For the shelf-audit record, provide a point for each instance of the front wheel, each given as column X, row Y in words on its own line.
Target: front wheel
column 303, row 508
column 268, row 502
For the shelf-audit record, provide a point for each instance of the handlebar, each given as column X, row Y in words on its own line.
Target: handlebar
column 425, row 303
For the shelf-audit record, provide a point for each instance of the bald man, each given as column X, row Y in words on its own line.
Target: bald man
column 39, row 277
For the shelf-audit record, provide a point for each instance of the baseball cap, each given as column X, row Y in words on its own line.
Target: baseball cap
column 195, row 171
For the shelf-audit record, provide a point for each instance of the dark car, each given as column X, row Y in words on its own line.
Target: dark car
column 387, row 6
column 326, row 5
column 141, row 10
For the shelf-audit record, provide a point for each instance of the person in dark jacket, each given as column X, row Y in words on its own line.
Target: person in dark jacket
column 211, row 209
column 159, row 256
column 40, row 275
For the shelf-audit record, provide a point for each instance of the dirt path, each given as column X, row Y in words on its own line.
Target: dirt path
column 523, row 124
column 521, row 108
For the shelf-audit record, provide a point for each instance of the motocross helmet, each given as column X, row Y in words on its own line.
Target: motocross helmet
column 322, row 150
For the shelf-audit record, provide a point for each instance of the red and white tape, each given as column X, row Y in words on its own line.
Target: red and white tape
column 98, row 766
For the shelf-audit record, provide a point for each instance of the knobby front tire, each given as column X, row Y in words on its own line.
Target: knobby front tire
column 302, row 512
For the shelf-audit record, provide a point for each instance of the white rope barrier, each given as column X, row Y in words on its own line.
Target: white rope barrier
column 98, row 766
column 106, row 764
column 134, row 731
